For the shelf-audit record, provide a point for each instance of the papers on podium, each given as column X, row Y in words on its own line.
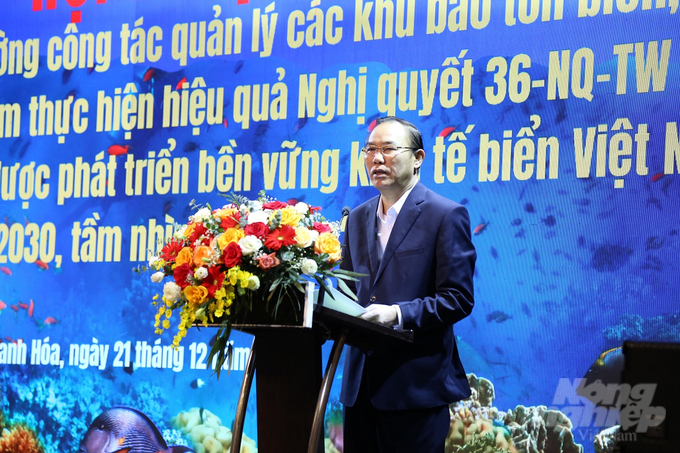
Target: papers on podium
column 340, row 302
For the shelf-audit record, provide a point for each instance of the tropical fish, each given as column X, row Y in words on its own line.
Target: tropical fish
column 181, row 83
column 50, row 321
column 526, row 310
column 42, row 265
column 5, row 270
column 606, row 369
column 148, row 75
column 225, row 123
column 124, row 429
column 657, row 176
column 2, row 305
column 117, row 150
column 494, row 253
column 197, row 383
column 447, row 131
column 23, row 305
column 480, row 228
column 14, row 307
column 190, row 146
column 497, row 316
column 30, row 308
column 300, row 123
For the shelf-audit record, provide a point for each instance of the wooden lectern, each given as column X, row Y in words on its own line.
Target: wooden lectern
column 291, row 394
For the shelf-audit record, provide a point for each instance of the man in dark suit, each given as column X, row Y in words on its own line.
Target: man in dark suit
column 415, row 248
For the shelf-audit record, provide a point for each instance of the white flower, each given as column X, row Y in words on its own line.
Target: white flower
column 172, row 291
column 253, row 282
column 157, row 277
column 201, row 215
column 201, row 273
column 258, row 216
column 179, row 234
column 309, row 266
column 302, row 208
column 250, row 244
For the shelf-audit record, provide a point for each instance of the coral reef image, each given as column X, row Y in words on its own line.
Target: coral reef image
column 477, row 426
column 17, row 437
column 51, row 411
column 206, row 432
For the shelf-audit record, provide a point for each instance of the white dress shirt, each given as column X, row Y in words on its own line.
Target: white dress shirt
column 385, row 225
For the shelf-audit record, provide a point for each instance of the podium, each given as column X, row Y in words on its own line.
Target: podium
column 291, row 393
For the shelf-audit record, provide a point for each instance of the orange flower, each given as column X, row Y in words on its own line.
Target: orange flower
column 230, row 235
column 200, row 253
column 195, row 295
column 185, row 256
column 328, row 243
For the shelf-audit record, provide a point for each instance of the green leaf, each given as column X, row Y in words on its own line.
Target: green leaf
column 324, row 286
column 345, row 289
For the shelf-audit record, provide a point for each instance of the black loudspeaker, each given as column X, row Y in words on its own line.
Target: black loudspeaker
column 649, row 420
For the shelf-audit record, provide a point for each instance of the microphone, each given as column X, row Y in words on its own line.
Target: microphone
column 343, row 222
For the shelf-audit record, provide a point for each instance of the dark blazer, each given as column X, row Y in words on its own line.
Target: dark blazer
column 427, row 269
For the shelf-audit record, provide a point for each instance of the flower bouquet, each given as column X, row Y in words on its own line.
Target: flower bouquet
column 249, row 255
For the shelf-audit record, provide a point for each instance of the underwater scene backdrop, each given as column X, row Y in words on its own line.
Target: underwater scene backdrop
column 554, row 122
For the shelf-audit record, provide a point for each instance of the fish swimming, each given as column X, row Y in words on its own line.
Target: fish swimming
column 497, row 316
column 124, row 429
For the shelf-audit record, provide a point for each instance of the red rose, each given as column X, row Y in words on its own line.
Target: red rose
column 232, row 255
column 257, row 229
column 268, row 261
column 181, row 273
column 321, row 227
column 274, row 205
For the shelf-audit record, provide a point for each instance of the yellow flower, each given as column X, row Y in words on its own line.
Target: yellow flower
column 232, row 275
column 328, row 243
column 304, row 236
column 221, row 293
column 230, row 235
column 189, row 230
column 290, row 217
column 185, row 256
column 195, row 295
column 226, row 213
column 243, row 278
column 166, row 324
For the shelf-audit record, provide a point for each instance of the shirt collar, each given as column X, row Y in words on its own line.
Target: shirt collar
column 396, row 207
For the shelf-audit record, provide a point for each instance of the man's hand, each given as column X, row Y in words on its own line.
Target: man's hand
column 381, row 314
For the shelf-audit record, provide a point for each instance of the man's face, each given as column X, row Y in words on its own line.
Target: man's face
column 392, row 174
